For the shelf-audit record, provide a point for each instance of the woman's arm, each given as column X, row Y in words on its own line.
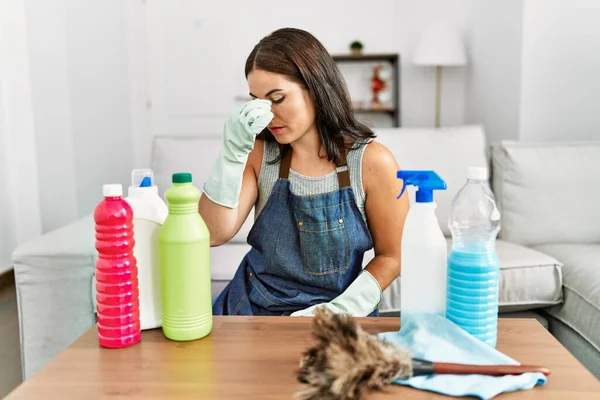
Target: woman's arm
column 224, row 223
column 385, row 213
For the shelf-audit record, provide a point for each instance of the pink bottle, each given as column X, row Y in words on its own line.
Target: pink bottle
column 116, row 271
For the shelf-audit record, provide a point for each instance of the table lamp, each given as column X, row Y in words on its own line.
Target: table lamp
column 440, row 46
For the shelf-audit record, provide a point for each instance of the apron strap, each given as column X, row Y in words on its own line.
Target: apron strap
column 342, row 170
column 284, row 165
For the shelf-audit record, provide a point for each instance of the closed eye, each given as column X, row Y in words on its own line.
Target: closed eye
column 278, row 100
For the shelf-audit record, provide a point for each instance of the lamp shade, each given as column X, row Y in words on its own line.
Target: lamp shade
column 441, row 44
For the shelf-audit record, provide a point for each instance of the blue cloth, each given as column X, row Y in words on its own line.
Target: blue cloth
column 434, row 338
column 306, row 250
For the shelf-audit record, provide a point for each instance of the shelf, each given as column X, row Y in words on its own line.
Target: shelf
column 366, row 57
column 374, row 109
column 394, row 60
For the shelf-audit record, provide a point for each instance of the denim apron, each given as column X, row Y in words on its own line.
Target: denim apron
column 306, row 250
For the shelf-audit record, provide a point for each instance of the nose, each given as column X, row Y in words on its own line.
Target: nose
column 275, row 121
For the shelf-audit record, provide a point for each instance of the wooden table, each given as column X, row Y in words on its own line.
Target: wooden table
column 255, row 358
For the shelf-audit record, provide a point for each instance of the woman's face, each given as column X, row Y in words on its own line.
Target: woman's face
column 291, row 104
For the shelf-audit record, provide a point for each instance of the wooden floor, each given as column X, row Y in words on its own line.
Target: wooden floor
column 10, row 365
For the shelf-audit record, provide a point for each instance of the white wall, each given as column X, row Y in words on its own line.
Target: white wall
column 494, row 70
column 80, row 86
column 109, row 75
column 97, row 67
column 560, row 75
column 196, row 54
column 106, row 76
column 46, row 39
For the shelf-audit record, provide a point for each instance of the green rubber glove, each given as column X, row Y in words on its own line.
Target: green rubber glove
column 360, row 299
column 239, row 134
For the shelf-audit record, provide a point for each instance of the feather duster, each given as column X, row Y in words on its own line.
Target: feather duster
column 345, row 362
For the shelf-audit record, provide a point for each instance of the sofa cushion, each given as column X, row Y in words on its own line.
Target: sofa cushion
column 413, row 148
column 225, row 260
column 438, row 150
column 536, row 185
column 529, row 279
column 70, row 244
column 581, row 282
column 194, row 154
column 54, row 280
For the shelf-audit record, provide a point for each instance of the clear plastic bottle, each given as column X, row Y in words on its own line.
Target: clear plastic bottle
column 473, row 265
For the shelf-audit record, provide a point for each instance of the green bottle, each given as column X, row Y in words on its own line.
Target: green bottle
column 184, row 246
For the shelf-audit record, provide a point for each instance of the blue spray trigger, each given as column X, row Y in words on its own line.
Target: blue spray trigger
column 404, row 182
column 425, row 181
column 146, row 182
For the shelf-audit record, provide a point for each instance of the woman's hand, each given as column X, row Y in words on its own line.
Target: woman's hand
column 231, row 189
column 239, row 134
column 360, row 299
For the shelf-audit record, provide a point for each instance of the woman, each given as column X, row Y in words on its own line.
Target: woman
column 324, row 192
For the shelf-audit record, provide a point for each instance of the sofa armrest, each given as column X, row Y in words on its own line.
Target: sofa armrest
column 54, row 277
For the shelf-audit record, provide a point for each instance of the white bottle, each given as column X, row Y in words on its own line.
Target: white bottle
column 424, row 250
column 149, row 213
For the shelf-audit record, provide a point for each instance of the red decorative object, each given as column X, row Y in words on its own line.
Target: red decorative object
column 377, row 85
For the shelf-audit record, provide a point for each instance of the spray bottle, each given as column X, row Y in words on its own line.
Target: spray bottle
column 424, row 249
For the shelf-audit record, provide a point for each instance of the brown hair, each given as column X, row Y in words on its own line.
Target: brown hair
column 302, row 58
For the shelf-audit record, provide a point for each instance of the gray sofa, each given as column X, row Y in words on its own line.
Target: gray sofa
column 548, row 194
column 549, row 246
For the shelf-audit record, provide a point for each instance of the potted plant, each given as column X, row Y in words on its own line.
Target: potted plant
column 356, row 47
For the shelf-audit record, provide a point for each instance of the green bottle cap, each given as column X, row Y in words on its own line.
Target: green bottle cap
column 182, row 177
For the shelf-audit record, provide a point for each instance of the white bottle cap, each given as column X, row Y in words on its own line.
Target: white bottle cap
column 477, row 173
column 112, row 190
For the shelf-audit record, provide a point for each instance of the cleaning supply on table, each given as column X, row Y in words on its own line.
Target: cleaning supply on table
column 424, row 249
column 345, row 361
column 149, row 213
column 473, row 265
column 185, row 264
column 116, row 271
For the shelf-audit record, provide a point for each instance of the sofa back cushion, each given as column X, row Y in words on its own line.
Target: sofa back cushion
column 548, row 192
column 448, row 151
column 194, row 154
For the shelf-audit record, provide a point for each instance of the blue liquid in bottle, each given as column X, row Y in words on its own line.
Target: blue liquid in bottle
column 473, row 265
